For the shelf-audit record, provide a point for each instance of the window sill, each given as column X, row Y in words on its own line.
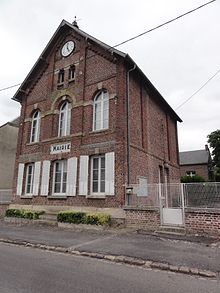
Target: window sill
column 99, row 131
column 33, row 143
column 57, row 197
column 26, row 196
column 96, row 196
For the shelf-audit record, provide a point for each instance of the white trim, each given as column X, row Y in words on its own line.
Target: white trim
column 97, row 193
column 65, row 112
column 110, row 173
column 63, row 163
column 26, row 178
column 83, row 175
column 36, row 180
column 45, row 178
column 36, row 117
column 20, row 178
column 104, row 97
column 71, row 176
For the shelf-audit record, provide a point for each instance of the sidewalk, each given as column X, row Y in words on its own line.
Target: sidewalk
column 161, row 252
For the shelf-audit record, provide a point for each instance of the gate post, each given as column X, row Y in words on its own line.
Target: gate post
column 183, row 201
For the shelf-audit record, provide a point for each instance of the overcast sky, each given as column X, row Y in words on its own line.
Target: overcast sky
column 177, row 58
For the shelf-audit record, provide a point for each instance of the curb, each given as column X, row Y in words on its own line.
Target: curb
column 148, row 264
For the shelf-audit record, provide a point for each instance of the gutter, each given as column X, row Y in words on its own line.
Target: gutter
column 128, row 124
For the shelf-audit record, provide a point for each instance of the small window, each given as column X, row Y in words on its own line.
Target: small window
column 191, row 173
column 60, row 77
column 64, row 119
column 101, row 111
column 35, row 127
column 60, row 177
column 29, row 179
column 98, row 175
column 72, row 73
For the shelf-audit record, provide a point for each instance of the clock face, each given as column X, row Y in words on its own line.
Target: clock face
column 67, row 48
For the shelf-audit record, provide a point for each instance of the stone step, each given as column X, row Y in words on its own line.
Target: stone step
column 46, row 222
column 172, row 230
column 49, row 217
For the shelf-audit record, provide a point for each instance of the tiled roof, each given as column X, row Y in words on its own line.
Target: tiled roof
column 194, row 157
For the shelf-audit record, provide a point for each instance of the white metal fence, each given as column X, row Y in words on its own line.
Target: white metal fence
column 198, row 195
column 5, row 195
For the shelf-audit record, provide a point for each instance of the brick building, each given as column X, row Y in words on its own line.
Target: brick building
column 8, row 146
column 198, row 162
column 91, row 125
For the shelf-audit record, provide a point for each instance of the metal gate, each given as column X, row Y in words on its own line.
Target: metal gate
column 171, row 204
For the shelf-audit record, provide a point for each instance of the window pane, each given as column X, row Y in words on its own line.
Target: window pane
column 102, row 174
column 95, row 186
column 103, row 162
column 57, row 188
column 95, row 163
column 102, row 187
column 95, row 174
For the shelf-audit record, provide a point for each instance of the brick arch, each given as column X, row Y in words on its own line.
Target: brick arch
column 35, row 110
column 60, row 99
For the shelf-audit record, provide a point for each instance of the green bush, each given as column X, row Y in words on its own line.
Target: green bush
column 189, row 179
column 21, row 213
column 84, row 218
column 71, row 217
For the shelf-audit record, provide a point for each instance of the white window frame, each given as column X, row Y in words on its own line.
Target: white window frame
column 191, row 173
column 63, row 166
column 35, row 127
column 72, row 73
column 61, row 76
column 100, row 99
column 99, row 175
column 31, row 181
column 64, row 119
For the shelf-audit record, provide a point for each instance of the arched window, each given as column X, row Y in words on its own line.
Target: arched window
column 35, row 127
column 64, row 119
column 101, row 111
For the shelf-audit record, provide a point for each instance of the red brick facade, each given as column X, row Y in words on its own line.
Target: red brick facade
column 152, row 123
column 199, row 169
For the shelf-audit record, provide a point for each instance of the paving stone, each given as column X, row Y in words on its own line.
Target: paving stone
column 194, row 271
column 174, row 268
column 148, row 264
column 208, row 274
column 109, row 257
column 159, row 265
column 184, row 269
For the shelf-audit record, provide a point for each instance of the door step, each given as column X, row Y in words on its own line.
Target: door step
column 171, row 230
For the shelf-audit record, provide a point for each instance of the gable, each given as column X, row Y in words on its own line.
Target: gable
column 42, row 65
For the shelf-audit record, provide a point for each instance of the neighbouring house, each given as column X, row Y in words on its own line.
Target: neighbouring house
column 92, row 125
column 8, row 147
column 198, row 162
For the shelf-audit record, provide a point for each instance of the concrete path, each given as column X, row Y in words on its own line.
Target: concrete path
column 191, row 252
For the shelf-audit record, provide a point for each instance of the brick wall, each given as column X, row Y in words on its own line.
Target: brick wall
column 3, row 208
column 202, row 221
column 153, row 130
column 148, row 219
column 201, row 170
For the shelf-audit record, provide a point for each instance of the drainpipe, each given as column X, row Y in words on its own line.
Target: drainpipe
column 128, row 124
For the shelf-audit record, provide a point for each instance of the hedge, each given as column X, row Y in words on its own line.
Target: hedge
column 83, row 218
column 21, row 213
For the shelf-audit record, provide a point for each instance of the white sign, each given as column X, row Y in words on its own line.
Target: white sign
column 60, row 148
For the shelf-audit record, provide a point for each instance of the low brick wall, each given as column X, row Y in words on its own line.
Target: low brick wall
column 145, row 218
column 202, row 221
column 3, row 208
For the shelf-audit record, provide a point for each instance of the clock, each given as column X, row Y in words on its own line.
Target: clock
column 67, row 48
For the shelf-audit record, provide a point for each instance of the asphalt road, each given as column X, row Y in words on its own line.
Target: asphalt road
column 28, row 270
column 148, row 247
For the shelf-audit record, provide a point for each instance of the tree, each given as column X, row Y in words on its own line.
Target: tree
column 214, row 142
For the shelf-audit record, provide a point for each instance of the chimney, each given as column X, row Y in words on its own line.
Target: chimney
column 75, row 23
column 206, row 148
